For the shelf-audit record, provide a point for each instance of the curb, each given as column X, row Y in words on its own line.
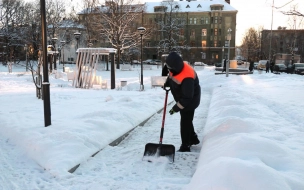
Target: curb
column 121, row 138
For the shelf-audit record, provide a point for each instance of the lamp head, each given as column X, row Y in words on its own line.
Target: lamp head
column 77, row 35
column 141, row 29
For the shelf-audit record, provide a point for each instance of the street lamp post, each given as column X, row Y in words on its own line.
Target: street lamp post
column 223, row 51
column 26, row 63
column 228, row 61
column 90, row 44
column 77, row 36
column 292, row 55
column 62, row 47
column 141, row 32
column 55, row 56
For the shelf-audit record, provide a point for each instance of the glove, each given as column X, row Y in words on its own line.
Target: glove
column 166, row 85
column 172, row 111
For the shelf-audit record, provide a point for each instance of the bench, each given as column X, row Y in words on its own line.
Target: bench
column 67, row 69
column 104, row 84
column 70, row 75
column 58, row 74
column 125, row 67
column 158, row 81
column 97, row 81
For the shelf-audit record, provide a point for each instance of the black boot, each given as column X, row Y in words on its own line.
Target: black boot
column 194, row 140
column 184, row 148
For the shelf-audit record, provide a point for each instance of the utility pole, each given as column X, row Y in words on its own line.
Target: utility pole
column 269, row 57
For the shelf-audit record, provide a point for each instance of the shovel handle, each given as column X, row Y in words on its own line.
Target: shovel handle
column 164, row 116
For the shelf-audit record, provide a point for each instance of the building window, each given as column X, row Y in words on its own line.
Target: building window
column 214, row 56
column 203, row 55
column 194, row 21
column 192, row 43
column 220, row 20
column 190, row 20
column 207, row 20
column 226, row 43
column 148, row 44
column 203, row 20
column 192, row 33
column 215, row 19
column 215, row 44
column 204, row 43
column 181, row 32
column 215, row 32
column 204, row 32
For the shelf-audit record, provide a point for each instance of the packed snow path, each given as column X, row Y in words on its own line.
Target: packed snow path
column 122, row 165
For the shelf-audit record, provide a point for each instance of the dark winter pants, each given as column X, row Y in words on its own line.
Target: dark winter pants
column 186, row 126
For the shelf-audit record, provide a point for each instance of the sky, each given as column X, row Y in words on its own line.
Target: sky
column 258, row 13
column 250, row 127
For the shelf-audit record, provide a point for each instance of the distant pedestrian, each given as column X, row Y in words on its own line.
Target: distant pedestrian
column 251, row 65
column 267, row 67
column 271, row 66
column 224, row 66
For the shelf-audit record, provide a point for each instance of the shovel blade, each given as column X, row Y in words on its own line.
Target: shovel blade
column 152, row 149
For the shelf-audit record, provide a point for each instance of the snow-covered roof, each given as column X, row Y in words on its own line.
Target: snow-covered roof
column 69, row 24
column 66, row 23
column 193, row 6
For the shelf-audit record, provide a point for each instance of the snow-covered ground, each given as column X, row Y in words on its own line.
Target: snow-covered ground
column 250, row 126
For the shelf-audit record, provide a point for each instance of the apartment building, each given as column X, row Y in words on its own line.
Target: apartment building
column 207, row 32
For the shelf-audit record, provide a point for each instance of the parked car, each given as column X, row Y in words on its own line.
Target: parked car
column 157, row 62
column 149, row 61
column 199, row 64
column 239, row 62
column 255, row 65
column 298, row 68
column 280, row 67
column 135, row 62
column 262, row 64
column 217, row 64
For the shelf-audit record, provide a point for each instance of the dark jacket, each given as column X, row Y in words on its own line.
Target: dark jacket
column 183, row 82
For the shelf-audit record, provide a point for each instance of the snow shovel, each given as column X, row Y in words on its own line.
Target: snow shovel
column 160, row 149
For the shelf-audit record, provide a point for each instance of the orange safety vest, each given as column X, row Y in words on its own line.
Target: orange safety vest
column 187, row 72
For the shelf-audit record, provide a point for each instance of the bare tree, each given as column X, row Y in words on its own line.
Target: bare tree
column 170, row 23
column 55, row 11
column 12, row 22
column 251, row 44
column 116, row 21
column 295, row 21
